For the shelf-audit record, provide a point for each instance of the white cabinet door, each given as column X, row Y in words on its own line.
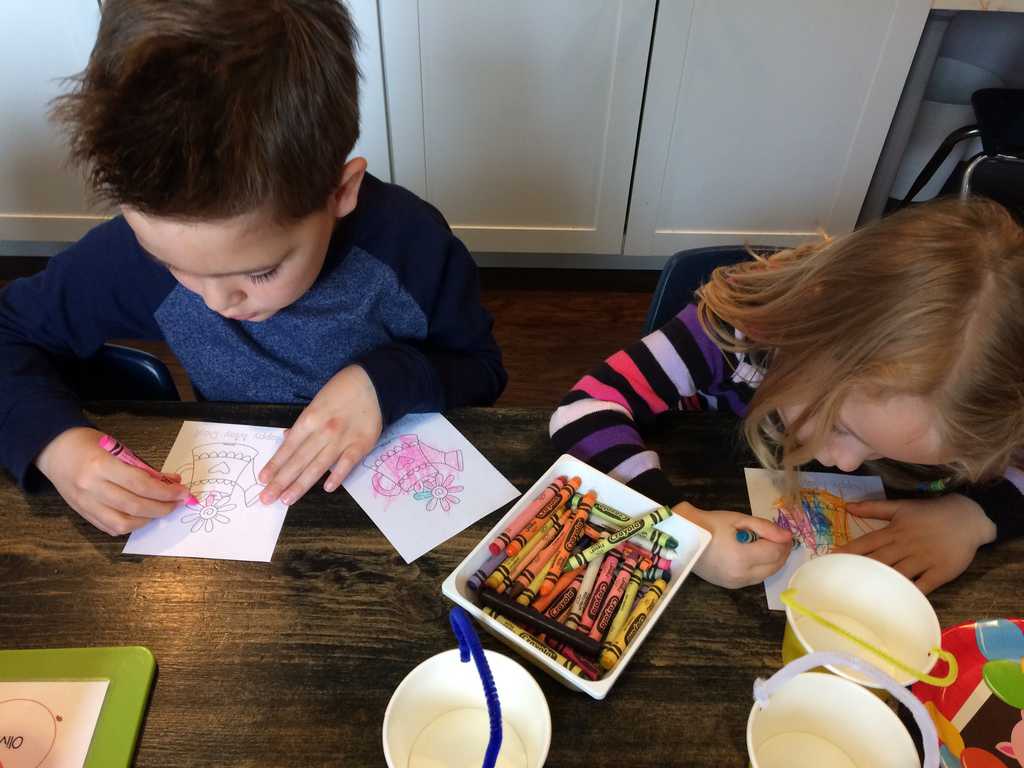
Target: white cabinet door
column 763, row 121
column 40, row 197
column 44, row 41
column 518, row 119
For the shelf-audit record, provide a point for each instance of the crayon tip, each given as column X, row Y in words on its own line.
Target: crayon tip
column 495, row 548
column 192, row 500
column 745, row 536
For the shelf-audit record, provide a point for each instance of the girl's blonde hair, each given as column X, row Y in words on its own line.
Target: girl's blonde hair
column 928, row 301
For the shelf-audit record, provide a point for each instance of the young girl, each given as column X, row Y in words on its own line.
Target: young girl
column 901, row 344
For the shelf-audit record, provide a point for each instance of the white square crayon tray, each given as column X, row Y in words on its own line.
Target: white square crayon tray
column 692, row 542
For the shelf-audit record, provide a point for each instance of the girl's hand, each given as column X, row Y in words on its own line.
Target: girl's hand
column 930, row 541
column 113, row 496
column 335, row 431
column 728, row 563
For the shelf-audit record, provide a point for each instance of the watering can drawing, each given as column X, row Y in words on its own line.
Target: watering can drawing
column 403, row 464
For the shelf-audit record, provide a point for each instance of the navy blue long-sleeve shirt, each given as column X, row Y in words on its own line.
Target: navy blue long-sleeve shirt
column 398, row 294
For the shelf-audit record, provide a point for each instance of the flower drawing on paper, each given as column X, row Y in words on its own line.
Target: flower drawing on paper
column 208, row 513
column 439, row 493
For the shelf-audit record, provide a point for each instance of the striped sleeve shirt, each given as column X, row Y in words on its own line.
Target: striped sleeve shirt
column 679, row 368
column 676, row 368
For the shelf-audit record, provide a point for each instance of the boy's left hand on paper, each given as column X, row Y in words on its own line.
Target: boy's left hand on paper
column 930, row 541
column 728, row 563
column 336, row 430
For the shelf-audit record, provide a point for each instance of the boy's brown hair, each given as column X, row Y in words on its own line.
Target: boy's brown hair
column 208, row 109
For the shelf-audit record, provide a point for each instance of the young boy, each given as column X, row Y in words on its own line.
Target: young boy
column 276, row 269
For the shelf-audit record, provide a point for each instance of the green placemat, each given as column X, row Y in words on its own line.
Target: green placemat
column 130, row 671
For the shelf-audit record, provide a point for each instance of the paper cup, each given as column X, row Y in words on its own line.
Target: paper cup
column 818, row 720
column 867, row 599
column 437, row 717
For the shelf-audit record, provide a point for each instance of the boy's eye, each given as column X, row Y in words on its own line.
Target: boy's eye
column 839, row 430
column 263, row 276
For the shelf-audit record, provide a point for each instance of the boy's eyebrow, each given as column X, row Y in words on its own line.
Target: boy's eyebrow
column 846, row 426
column 164, row 264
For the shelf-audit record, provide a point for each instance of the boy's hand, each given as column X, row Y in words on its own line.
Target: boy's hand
column 113, row 496
column 728, row 563
column 335, row 431
column 930, row 541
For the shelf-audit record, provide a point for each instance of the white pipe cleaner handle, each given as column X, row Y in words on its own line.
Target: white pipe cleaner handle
column 763, row 690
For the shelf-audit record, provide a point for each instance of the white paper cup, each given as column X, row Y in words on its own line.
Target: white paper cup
column 818, row 720
column 867, row 599
column 437, row 717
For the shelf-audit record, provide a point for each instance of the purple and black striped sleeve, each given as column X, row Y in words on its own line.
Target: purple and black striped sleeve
column 676, row 368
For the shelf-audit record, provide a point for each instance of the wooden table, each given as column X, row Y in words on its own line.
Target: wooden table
column 293, row 662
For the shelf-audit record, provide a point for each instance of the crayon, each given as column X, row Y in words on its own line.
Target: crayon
column 746, row 536
column 576, row 525
column 526, row 515
column 643, row 552
column 628, row 598
column 550, row 506
column 614, row 648
column 612, row 560
column 526, row 595
column 480, row 575
column 615, row 594
column 583, row 593
column 654, row 573
column 564, row 601
column 642, row 542
column 541, row 603
column 539, row 622
column 529, row 639
column 639, row 525
column 122, row 453
column 542, row 559
column 588, row 668
column 618, row 519
column 505, row 572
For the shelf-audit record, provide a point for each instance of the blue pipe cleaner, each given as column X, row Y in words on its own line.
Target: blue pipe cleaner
column 469, row 644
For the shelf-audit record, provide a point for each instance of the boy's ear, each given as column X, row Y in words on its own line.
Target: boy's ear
column 344, row 198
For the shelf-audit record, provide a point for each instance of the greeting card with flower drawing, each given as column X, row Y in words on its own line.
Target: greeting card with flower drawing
column 424, row 482
column 219, row 463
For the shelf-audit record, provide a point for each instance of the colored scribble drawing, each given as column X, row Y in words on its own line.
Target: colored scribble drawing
column 405, row 466
column 820, row 523
column 221, row 476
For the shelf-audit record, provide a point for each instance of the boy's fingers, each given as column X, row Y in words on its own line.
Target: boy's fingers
column 112, row 522
column 877, row 510
column 141, row 484
column 127, row 503
column 291, row 443
column 765, row 553
column 341, row 468
column 313, row 472
column 291, row 471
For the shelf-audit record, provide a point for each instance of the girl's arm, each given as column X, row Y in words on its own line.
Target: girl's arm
column 675, row 368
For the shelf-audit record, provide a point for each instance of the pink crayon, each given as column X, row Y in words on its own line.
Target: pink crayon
column 615, row 593
column 600, row 590
column 121, row 452
column 526, row 515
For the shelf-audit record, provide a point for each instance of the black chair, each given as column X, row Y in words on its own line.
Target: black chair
column 687, row 271
column 121, row 373
column 997, row 171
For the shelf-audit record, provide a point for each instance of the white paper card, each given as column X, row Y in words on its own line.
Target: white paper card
column 219, row 463
column 820, row 524
column 424, row 482
column 48, row 724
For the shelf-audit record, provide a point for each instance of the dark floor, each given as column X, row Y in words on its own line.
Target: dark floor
column 552, row 325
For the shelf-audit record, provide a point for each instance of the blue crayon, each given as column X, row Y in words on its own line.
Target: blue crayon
column 485, row 570
column 745, row 536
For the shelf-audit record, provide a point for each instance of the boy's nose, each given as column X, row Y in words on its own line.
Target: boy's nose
column 221, row 300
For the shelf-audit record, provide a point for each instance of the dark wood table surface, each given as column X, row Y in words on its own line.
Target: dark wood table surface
column 293, row 662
